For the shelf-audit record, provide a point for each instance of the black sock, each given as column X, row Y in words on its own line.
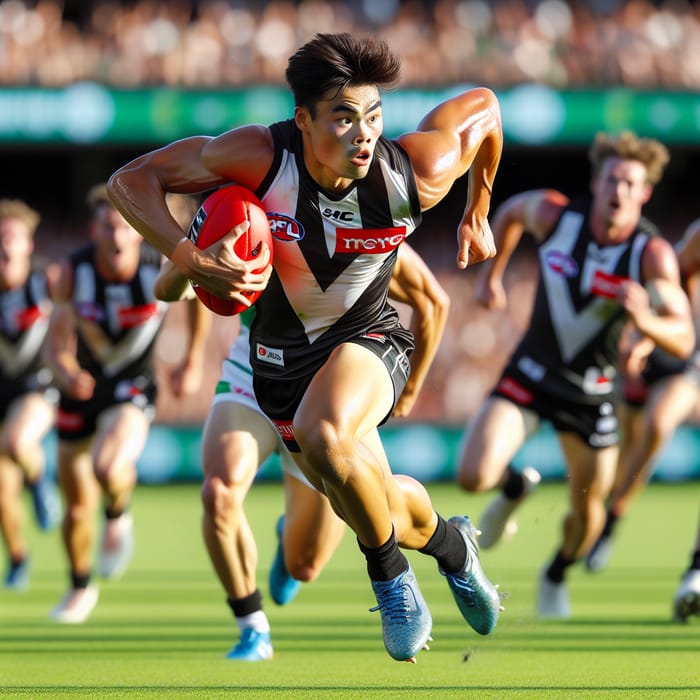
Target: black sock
column 447, row 546
column 384, row 562
column 79, row 580
column 557, row 569
column 246, row 606
column 695, row 560
column 610, row 521
column 514, row 486
column 112, row 513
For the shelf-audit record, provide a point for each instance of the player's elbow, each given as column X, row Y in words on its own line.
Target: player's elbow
column 441, row 303
column 490, row 109
column 488, row 99
column 115, row 186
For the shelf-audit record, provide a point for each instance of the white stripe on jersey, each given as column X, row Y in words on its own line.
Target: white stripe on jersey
column 574, row 329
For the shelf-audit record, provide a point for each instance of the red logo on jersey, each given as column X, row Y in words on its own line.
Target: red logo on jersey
column 373, row 241
column 69, row 422
column 28, row 317
column 379, row 337
column 510, row 388
column 606, row 285
column 130, row 316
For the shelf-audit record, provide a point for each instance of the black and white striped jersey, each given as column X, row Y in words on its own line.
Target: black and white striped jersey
column 24, row 318
column 575, row 325
column 117, row 323
column 333, row 255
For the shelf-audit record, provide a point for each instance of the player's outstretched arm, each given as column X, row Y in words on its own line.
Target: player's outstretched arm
column 462, row 134
column 59, row 352
column 186, row 379
column 414, row 284
column 534, row 212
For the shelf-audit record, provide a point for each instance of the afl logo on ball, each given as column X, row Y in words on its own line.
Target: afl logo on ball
column 284, row 228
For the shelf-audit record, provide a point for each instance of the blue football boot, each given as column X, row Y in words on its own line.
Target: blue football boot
column 252, row 646
column 406, row 620
column 476, row 597
column 283, row 587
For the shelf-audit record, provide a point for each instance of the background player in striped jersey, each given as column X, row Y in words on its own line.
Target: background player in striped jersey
column 659, row 392
column 27, row 401
column 102, row 333
column 600, row 266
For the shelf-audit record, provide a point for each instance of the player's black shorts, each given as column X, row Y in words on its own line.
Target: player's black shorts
column 592, row 418
column 78, row 419
column 660, row 365
column 34, row 382
column 279, row 398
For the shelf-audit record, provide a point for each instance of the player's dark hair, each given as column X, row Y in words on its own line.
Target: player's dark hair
column 627, row 145
column 331, row 62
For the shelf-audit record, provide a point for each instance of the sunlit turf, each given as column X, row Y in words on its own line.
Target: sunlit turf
column 162, row 631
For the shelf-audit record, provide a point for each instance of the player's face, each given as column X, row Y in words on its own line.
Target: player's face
column 117, row 243
column 16, row 246
column 339, row 141
column 620, row 190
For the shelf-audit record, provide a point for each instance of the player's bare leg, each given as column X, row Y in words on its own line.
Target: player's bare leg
column 121, row 436
column 81, row 497
column 335, row 427
column 29, row 418
column 12, row 524
column 494, row 437
column 236, row 441
column 312, row 530
column 645, row 430
column 590, row 477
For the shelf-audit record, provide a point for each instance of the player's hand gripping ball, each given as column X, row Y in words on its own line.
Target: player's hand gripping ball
column 219, row 213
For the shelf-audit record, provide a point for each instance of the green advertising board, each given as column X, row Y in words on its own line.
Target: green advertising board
column 88, row 113
column 425, row 451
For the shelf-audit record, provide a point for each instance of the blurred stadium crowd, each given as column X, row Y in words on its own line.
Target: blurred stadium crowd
column 191, row 43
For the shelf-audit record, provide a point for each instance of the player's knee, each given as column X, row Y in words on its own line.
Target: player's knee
column 218, row 498
column 213, row 493
column 303, row 569
column 114, row 474
column 15, row 446
column 79, row 512
column 324, row 447
column 658, row 426
column 473, row 480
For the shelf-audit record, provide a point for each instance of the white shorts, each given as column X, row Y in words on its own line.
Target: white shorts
column 236, row 386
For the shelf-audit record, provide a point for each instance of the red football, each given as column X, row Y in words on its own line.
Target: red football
column 219, row 213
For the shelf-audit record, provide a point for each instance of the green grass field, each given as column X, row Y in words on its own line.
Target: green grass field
column 162, row 631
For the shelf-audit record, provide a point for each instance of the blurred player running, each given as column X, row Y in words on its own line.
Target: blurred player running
column 27, row 403
column 101, row 337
